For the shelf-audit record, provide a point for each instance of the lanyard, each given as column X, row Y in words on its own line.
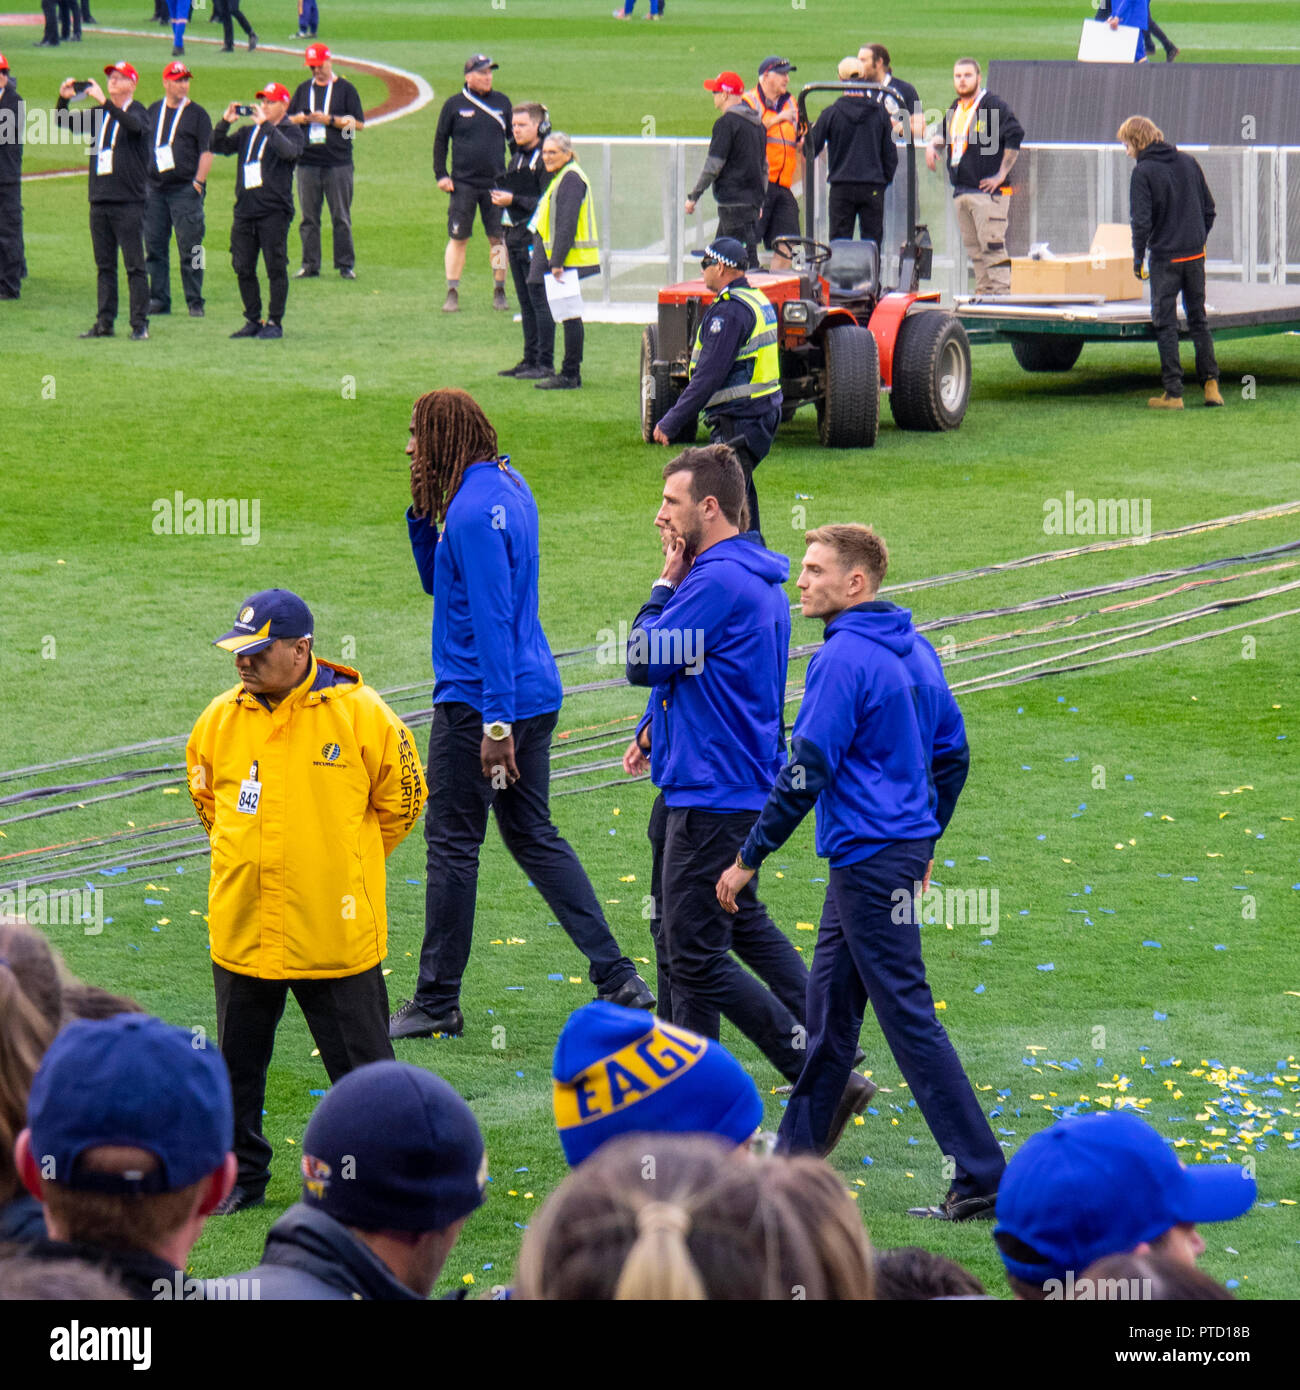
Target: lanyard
column 311, row 96
column 254, row 152
column 483, row 106
column 162, row 114
column 99, row 142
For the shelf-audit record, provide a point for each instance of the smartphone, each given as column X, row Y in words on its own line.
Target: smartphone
column 79, row 87
column 245, row 110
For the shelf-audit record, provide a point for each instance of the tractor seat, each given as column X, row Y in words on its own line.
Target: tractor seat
column 853, row 270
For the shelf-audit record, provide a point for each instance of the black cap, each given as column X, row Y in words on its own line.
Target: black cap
column 776, row 65
column 480, row 61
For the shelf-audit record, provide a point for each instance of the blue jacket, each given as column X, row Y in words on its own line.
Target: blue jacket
column 489, row 650
column 717, row 650
column 879, row 743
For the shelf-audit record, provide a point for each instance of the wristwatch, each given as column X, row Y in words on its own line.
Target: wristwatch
column 497, row 731
column 740, row 864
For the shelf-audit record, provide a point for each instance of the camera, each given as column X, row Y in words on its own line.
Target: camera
column 243, row 109
column 80, row 87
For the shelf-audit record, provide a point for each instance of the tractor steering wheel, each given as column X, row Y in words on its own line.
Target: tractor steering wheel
column 803, row 251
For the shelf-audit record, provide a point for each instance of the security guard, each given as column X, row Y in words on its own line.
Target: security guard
column 779, row 112
column 735, row 367
column 565, row 223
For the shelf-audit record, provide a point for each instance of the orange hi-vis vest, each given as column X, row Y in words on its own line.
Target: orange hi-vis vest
column 782, row 126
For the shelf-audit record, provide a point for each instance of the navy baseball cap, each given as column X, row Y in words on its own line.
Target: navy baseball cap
column 623, row 1071
column 726, row 250
column 479, row 62
column 776, row 65
column 1102, row 1185
column 131, row 1080
column 393, row 1148
column 265, row 617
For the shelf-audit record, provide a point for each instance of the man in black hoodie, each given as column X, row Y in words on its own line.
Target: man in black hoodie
column 1171, row 213
column 736, row 164
column 517, row 195
column 859, row 140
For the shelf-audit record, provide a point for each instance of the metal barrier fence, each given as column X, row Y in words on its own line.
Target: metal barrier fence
column 1061, row 193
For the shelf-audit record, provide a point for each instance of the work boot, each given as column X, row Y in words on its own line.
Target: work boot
column 451, row 305
column 1212, row 396
column 1166, row 402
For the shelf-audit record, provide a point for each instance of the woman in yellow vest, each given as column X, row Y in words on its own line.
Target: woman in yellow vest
column 565, row 240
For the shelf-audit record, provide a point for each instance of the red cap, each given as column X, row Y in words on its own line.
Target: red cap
column 317, row 53
column 4, row 63
column 274, row 91
column 728, row 82
column 124, row 68
column 174, row 72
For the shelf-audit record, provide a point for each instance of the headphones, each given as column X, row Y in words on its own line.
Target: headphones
column 544, row 125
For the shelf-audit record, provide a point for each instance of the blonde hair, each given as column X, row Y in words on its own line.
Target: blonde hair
column 1139, row 132
column 850, row 69
column 857, row 547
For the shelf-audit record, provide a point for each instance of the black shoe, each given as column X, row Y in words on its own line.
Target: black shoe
column 156, row 306
column 251, row 329
column 97, row 330
column 177, row 52
column 271, row 330
column 196, row 311
column 347, row 273
column 47, row 43
column 1170, row 54
column 227, row 47
column 854, row 1100
column 138, row 335
column 238, row 1200
column 302, row 273
column 559, row 383
column 252, row 42
column 633, row 993
column 89, row 19
column 411, row 1021
column 517, row 370
column 955, row 1207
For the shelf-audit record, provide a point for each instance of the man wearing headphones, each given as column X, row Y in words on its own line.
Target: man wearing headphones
column 517, row 195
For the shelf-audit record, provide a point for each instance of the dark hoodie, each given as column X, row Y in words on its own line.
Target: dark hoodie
column 736, row 163
column 879, row 743
column 859, row 140
column 1170, row 206
column 718, row 649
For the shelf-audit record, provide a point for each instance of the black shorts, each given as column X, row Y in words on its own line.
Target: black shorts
column 460, row 212
column 780, row 215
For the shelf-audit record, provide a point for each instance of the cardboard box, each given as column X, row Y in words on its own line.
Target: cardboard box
column 1105, row 269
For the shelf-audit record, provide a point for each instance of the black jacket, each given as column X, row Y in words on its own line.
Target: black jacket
column 736, row 164
column 192, row 138
column 128, row 183
column 344, row 100
column 526, row 178
column 1170, row 207
column 278, row 148
column 993, row 131
column 11, row 134
column 566, row 202
column 309, row 1255
column 478, row 141
column 140, row 1273
column 859, row 140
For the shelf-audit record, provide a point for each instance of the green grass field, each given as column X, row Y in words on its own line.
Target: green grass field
column 1149, row 800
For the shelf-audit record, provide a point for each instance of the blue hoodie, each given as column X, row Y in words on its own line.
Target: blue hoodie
column 717, row 650
column 489, row 650
column 879, row 743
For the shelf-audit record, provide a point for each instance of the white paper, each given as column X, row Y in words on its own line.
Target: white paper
column 1099, row 43
column 563, row 297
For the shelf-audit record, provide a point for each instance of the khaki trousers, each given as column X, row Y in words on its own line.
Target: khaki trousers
column 982, row 218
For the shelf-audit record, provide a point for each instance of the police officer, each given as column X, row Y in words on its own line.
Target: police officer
column 119, row 161
column 524, row 183
column 779, row 112
column 476, row 121
column 735, row 367
column 267, row 150
column 179, row 161
column 11, row 188
column 565, row 223
column 329, row 110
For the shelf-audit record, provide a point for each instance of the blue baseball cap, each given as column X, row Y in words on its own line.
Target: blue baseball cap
column 137, row 1081
column 726, row 250
column 775, row 64
column 1102, row 1185
column 393, row 1148
column 623, row 1071
column 264, row 618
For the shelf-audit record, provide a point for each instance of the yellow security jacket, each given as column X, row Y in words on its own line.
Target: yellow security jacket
column 297, row 890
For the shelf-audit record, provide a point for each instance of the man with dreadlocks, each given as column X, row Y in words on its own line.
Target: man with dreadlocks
column 496, row 699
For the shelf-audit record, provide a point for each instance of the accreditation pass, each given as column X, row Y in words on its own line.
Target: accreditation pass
column 250, row 793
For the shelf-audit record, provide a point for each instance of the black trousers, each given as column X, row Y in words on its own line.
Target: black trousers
column 750, row 437
column 114, row 227
column 179, row 209
column 50, row 10
column 857, row 202
column 455, row 824
column 348, row 1019
column 227, row 11
column 69, row 19
column 11, row 240
column 535, row 317
column 268, row 234
column 741, row 223
column 1169, row 279
column 700, row 936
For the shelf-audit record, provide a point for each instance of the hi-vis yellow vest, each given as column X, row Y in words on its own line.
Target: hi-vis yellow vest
column 760, row 348
column 584, row 250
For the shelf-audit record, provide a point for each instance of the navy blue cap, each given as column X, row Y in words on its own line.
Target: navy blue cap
column 776, row 65
column 393, row 1148
column 136, row 1081
column 726, row 250
column 1103, row 1185
column 478, row 62
column 262, row 619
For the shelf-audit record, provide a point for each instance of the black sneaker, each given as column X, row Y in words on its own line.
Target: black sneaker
column 347, row 273
column 252, row 42
column 138, row 335
column 411, row 1021
column 271, row 330
column 559, row 383
column 239, row 1199
column 302, row 273
column 633, row 993
column 97, row 330
column 955, row 1207
column 251, row 329
column 517, row 370
column 196, row 311
column 156, row 306
column 534, row 373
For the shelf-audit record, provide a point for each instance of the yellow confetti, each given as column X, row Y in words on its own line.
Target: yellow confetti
column 1035, row 1048
column 60, row 562
column 131, row 823
column 628, row 878
column 641, row 960
column 617, row 811
column 290, row 1141
column 194, row 912
column 1208, row 855
column 906, row 1174
column 171, row 791
column 466, row 1278
column 575, row 979
column 315, row 1052
column 512, row 1193
column 1223, row 815
column 613, row 901
column 164, row 921
column 496, row 941
column 1118, row 845
column 893, row 1122
column 804, row 926
column 1067, row 861
column 858, row 1120
column 940, row 1004
column 1169, row 818
column 528, row 1196
column 781, row 875
column 1038, row 1097
column 853, row 1196
column 1285, row 1202
column 858, row 1182
column 387, row 972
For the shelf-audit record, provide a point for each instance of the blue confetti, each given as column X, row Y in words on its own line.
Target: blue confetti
column 982, row 858
column 1128, row 776
column 1074, row 709
column 157, row 929
column 519, row 1073
column 1109, row 911
column 1159, row 1017
column 1049, row 966
column 988, row 941
column 1087, row 887
column 1083, row 805
column 951, row 863
column 413, row 880
column 979, row 989
column 1156, row 944
column 871, row 1110
column 1024, row 767
column 1020, row 709
column 519, row 1226
column 1005, row 1131
column 1042, row 837
column 1220, row 948
column 315, row 1093
column 121, row 869
column 613, row 832
column 1060, row 699
column 816, row 880
column 519, row 988
column 1231, row 1283
column 1024, row 912
column 913, row 1141
column 1149, row 815
column 1190, row 878
column 521, row 1170
column 153, row 902
column 555, row 977
column 1074, row 758
column 486, row 1267
column 867, row 1162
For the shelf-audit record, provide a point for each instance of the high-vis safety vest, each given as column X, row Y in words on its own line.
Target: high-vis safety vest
column 760, row 349
column 782, row 126
column 584, row 250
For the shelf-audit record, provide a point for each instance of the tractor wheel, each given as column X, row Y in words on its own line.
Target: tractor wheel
column 658, row 393
column 931, row 372
column 848, row 412
column 1047, row 352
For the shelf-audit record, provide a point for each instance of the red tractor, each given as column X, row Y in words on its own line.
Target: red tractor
column 843, row 336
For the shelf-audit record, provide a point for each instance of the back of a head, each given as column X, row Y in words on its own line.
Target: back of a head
column 850, row 70
column 910, row 1274
column 84, row 1000
column 1151, row 1277
column 669, row 1217
column 822, row 1202
column 29, row 1018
